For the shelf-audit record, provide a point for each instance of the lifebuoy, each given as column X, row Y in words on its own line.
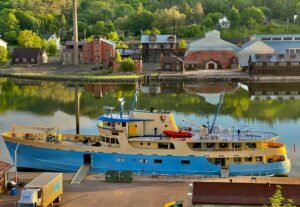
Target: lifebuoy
column 162, row 117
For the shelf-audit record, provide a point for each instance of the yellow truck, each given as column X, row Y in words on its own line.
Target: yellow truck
column 42, row 191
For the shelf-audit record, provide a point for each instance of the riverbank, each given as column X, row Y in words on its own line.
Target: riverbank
column 86, row 74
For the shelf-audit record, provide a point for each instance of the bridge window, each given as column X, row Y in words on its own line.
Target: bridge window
column 223, row 145
column 258, row 158
column 162, row 145
column 237, row 159
column 248, row 159
column 251, row 145
column 236, row 145
column 210, row 145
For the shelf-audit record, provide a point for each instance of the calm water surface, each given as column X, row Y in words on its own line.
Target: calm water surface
column 272, row 106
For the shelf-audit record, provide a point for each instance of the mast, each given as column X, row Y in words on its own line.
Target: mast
column 217, row 112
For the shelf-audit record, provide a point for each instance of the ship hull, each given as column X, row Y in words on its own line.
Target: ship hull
column 48, row 159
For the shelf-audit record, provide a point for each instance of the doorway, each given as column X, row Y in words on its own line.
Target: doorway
column 211, row 65
column 87, row 159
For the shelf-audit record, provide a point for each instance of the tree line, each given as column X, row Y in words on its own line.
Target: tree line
column 131, row 18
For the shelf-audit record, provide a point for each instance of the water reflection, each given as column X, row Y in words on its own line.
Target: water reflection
column 275, row 105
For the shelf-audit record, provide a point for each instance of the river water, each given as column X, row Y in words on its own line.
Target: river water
column 267, row 106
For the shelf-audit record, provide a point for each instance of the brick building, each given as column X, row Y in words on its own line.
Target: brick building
column 98, row 51
column 211, row 52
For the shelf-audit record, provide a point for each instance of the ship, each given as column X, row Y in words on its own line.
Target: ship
column 136, row 141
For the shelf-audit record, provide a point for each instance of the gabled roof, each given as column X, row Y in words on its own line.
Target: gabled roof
column 159, row 39
column 26, row 52
column 211, row 42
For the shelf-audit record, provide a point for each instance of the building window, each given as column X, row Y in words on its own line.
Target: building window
column 32, row 60
column 258, row 64
column 282, row 63
column 276, row 38
column 143, row 161
column 17, row 60
column 271, row 64
column 297, row 51
column 287, row 38
column 281, row 93
column 294, row 92
column 185, row 162
column 258, row 158
column 248, row 159
column 161, row 46
column 294, row 63
column 158, row 161
column 24, row 60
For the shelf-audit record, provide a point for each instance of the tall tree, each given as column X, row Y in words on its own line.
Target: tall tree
column 29, row 39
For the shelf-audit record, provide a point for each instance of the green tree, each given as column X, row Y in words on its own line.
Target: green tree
column 234, row 17
column 122, row 45
column 211, row 20
column 9, row 25
column 52, row 48
column 29, row 39
column 3, row 55
column 182, row 44
column 127, row 65
column 156, row 31
column 147, row 32
column 113, row 36
column 252, row 14
column 277, row 200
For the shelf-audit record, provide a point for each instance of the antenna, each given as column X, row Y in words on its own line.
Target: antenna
column 217, row 112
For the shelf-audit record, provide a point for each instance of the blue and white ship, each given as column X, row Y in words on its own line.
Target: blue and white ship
column 137, row 142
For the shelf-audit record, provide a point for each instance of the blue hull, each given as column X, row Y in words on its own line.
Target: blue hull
column 70, row 161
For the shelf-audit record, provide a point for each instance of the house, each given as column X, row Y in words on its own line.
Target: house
column 281, row 43
column 274, row 64
column 68, row 51
column 29, row 56
column 98, row 51
column 153, row 46
column 3, row 44
column 252, row 47
column 224, row 23
column 56, row 38
column 211, row 52
column 4, row 167
column 172, row 63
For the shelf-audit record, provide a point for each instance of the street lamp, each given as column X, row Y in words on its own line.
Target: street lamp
column 16, row 150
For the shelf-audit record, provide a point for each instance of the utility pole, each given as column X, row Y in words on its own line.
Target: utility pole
column 75, row 34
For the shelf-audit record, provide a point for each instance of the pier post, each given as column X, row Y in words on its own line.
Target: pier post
column 77, row 108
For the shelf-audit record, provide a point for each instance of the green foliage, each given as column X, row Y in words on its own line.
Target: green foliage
column 113, row 36
column 29, row 39
column 277, row 200
column 127, row 65
column 182, row 44
column 234, row 17
column 3, row 55
column 122, row 45
column 52, row 48
column 118, row 58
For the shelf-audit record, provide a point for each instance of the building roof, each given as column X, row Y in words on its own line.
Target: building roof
column 211, row 42
column 263, row 36
column 71, row 43
column 4, row 167
column 275, row 57
column 26, row 52
column 241, row 193
column 253, row 47
column 159, row 39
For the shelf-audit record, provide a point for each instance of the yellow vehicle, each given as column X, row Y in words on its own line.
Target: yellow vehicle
column 174, row 204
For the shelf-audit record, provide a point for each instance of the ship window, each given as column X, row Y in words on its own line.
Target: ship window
column 166, row 126
column 113, row 140
column 162, row 145
column 108, row 123
column 120, row 160
column 197, row 145
column 143, row 161
column 185, row 162
column 236, row 145
column 172, row 146
column 223, row 145
column 103, row 139
column 158, row 161
column 210, row 145
column 107, row 140
column 248, row 159
column 251, row 145
column 141, row 143
column 148, row 143
column 237, row 159
column 117, row 141
column 114, row 133
column 123, row 124
column 258, row 158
